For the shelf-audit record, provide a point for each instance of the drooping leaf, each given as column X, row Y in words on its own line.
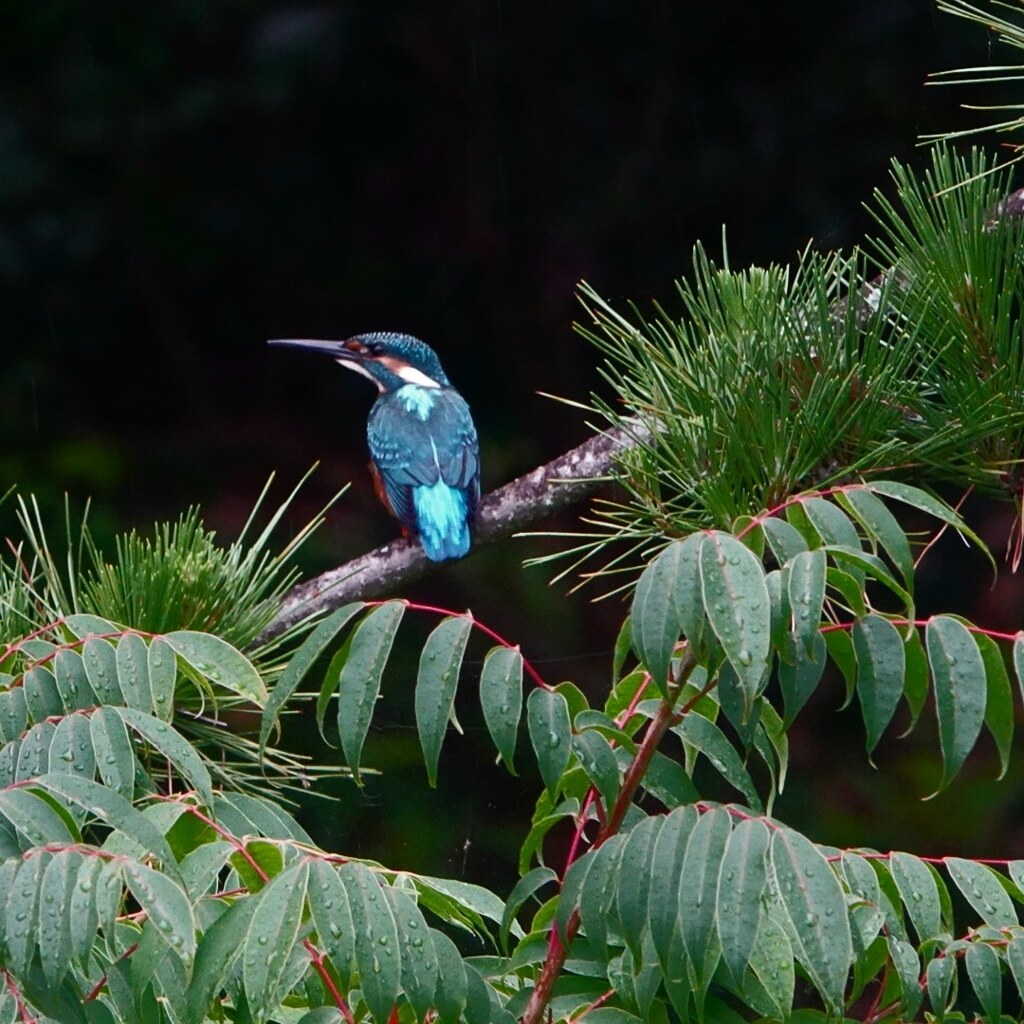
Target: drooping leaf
column 108, row 805
column 452, row 983
column 597, row 893
column 631, row 899
column 375, row 934
column 771, row 960
column 737, row 606
column 100, row 660
column 360, row 676
column 706, row 737
column 663, row 896
column 878, row 648
column 958, row 674
column 219, row 947
column 919, row 893
column 657, row 623
column 173, row 746
column 598, row 761
column 741, row 883
column 881, row 526
column 35, row 817
column 698, row 886
column 915, row 680
column 938, row 977
column 783, row 538
column 215, row 659
column 41, row 695
column 167, row 907
column 806, row 586
column 908, row 969
column 983, row 970
column 982, row 890
column 800, row 672
column 526, row 887
column 998, row 699
column 501, row 698
column 21, row 908
column 830, row 522
column 816, row 907
column 270, row 937
column 132, row 657
column 332, row 918
column 436, row 683
column 115, row 757
column 547, row 715
column 58, row 882
column 302, row 661
column 72, row 680
column 419, row 966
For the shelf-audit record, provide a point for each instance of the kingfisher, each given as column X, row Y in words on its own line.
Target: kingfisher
column 425, row 459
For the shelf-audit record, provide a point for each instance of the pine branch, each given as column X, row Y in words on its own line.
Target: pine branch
column 562, row 482
column 519, row 504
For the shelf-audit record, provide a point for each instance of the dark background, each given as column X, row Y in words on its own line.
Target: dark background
column 180, row 181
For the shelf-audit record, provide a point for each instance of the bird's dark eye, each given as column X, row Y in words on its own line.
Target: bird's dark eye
column 375, row 348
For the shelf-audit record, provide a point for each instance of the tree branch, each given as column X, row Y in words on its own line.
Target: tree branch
column 519, row 504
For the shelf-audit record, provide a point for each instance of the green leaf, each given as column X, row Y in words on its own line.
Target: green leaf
column 939, row 975
column 359, row 680
column 657, row 623
column 919, row 893
column 108, row 805
column 830, row 523
column 908, row 969
column 698, row 886
column 783, row 538
column 34, row 817
column 741, row 883
column 597, row 758
column 878, row 648
column 840, row 650
column 623, row 645
column 115, row 757
column 915, row 681
column 218, row 949
column 162, row 667
column 998, row 699
column 173, row 746
column 132, row 658
column 301, row 662
column 72, row 681
column 166, row 905
column 22, row 912
column 983, row 970
column 215, row 659
column 452, row 983
column 737, row 606
column 501, row 698
column 983, row 890
column 806, row 595
column 800, row 673
column 597, row 893
column 706, row 737
column 922, row 500
column 436, row 683
column 547, row 716
column 377, row 951
column 100, row 660
column 271, row 936
column 871, row 565
column 332, row 918
column 816, row 907
column 771, row 960
column 663, row 897
column 1015, row 958
column 958, row 672
column 83, row 920
column 418, row 954
column 631, row 898
column 41, row 695
column 58, row 883
column 881, row 526
column 526, row 887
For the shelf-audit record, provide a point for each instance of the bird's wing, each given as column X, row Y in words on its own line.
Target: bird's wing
column 410, row 451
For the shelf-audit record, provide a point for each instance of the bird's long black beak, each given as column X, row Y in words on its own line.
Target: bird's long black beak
column 331, row 348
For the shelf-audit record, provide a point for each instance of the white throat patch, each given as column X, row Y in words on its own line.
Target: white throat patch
column 413, row 376
column 361, row 370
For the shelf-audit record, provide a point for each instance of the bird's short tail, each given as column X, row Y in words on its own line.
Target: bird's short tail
column 442, row 516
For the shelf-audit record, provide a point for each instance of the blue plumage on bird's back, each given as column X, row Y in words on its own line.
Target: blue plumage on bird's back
column 417, row 400
column 441, row 515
